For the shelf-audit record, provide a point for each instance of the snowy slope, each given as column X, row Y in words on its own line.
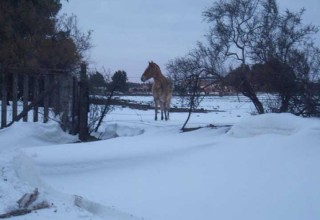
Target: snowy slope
column 264, row 167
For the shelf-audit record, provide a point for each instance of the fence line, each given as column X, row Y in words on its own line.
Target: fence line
column 53, row 90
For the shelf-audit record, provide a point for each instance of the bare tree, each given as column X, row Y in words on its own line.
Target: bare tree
column 117, row 82
column 255, row 32
column 186, row 74
column 191, row 74
column 283, row 43
column 306, row 67
column 233, row 26
column 69, row 25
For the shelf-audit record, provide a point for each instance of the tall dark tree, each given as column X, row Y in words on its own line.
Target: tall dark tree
column 119, row 81
column 29, row 36
column 97, row 80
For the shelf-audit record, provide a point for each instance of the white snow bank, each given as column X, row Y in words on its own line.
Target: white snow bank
column 272, row 173
column 114, row 152
column 19, row 175
column 204, row 174
column 278, row 124
column 27, row 134
column 117, row 130
column 28, row 173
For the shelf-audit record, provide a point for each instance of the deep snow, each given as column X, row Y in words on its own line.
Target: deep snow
column 263, row 167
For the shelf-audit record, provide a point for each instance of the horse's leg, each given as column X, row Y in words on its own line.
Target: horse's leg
column 167, row 111
column 162, row 107
column 155, row 110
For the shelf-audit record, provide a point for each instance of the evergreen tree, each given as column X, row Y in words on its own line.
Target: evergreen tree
column 119, row 81
column 97, row 80
column 29, row 37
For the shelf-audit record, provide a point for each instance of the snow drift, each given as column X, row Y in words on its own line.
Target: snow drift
column 264, row 167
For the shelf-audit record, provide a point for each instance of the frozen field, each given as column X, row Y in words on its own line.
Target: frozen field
column 262, row 167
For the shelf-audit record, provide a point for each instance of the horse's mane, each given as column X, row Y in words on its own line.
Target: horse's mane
column 153, row 63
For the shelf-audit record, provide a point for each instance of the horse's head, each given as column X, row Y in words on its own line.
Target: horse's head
column 151, row 70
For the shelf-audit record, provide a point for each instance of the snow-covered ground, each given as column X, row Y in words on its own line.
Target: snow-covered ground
column 262, row 167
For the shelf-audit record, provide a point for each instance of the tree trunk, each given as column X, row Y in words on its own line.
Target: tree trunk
column 247, row 90
column 284, row 104
column 84, row 104
column 104, row 112
column 192, row 103
column 188, row 118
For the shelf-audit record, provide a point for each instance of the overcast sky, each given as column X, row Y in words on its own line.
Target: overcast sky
column 129, row 33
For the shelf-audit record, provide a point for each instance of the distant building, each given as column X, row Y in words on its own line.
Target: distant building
column 140, row 88
column 214, row 88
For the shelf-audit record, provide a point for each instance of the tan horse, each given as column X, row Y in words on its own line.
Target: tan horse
column 161, row 89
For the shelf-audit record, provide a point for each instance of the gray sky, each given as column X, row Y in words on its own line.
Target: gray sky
column 129, row 33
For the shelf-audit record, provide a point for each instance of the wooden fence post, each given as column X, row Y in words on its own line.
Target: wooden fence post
column 14, row 95
column 4, row 94
column 83, row 104
column 46, row 100
column 40, row 98
column 56, row 102
column 35, row 96
column 25, row 94
column 66, row 103
column 75, row 106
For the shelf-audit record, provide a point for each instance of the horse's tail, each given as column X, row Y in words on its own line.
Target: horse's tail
column 169, row 91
